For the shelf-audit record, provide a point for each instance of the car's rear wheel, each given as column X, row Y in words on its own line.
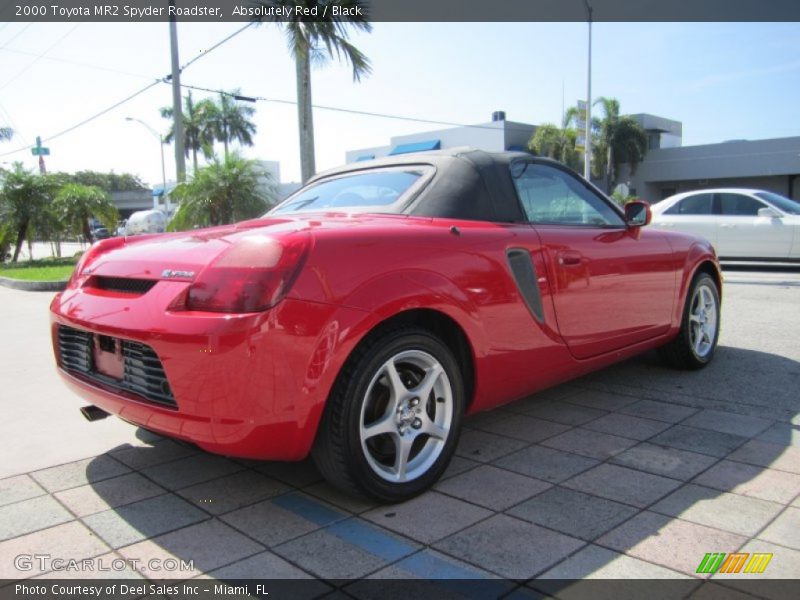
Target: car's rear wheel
column 393, row 418
column 697, row 341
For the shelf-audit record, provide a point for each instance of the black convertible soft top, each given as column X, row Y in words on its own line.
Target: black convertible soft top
column 468, row 184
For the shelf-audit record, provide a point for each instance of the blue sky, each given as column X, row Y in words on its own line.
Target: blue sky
column 722, row 80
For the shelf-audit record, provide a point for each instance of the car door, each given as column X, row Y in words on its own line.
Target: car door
column 692, row 214
column 612, row 286
column 741, row 233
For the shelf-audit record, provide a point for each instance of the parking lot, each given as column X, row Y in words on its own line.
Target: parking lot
column 636, row 471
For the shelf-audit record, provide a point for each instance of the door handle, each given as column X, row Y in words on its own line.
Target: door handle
column 569, row 259
column 727, row 226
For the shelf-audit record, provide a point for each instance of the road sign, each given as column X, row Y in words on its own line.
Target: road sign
column 38, row 149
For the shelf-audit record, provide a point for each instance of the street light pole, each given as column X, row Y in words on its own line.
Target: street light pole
column 587, row 163
column 163, row 167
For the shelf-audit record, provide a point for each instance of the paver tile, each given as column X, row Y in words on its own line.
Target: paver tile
column 589, row 443
column 31, row 515
column 207, row 545
column 70, row 540
column 109, row 493
column 428, row 517
column 704, row 441
column 628, row 426
column 164, row 450
column 485, row 447
column 297, row 474
column 144, row 519
column 594, row 562
column 726, row 422
column 191, row 470
column 574, row 513
column 525, row 428
column 346, row 550
column 509, row 547
column 80, row 472
column 663, row 460
column 660, row 411
column 730, row 512
column 491, row 487
column 601, row 400
column 750, row 480
column 623, row 485
column 673, row 543
column 768, row 454
column 784, row 530
column 277, row 520
column 560, row 412
column 231, row 492
column 20, row 487
column 545, row 463
column 784, row 434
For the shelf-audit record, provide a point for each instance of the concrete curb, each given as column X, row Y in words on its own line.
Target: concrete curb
column 33, row 286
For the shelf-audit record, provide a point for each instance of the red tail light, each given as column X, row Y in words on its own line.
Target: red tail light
column 254, row 274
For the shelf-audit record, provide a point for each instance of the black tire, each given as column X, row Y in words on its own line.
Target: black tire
column 355, row 459
column 685, row 352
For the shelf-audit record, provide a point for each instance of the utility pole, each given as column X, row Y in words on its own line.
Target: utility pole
column 587, row 163
column 177, row 109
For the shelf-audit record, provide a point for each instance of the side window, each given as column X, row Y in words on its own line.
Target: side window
column 550, row 196
column 699, row 204
column 739, row 205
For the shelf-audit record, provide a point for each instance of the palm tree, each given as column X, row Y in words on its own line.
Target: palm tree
column 24, row 202
column 231, row 121
column 557, row 143
column 319, row 39
column 75, row 204
column 621, row 140
column 197, row 127
column 223, row 192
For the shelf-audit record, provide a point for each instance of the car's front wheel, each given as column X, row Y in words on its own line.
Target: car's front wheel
column 392, row 420
column 697, row 340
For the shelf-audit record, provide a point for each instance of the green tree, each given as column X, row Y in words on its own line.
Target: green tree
column 24, row 202
column 620, row 140
column 110, row 182
column 231, row 121
column 319, row 40
column 556, row 143
column 225, row 191
column 75, row 204
column 198, row 127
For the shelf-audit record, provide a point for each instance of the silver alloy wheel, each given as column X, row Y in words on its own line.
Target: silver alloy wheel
column 703, row 321
column 406, row 416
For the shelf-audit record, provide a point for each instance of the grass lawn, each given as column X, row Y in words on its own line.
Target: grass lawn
column 55, row 269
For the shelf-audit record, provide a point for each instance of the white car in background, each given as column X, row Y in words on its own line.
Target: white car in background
column 742, row 224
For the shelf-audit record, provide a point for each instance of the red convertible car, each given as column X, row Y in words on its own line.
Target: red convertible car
column 361, row 318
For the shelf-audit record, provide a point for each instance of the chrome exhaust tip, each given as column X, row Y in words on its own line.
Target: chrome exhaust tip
column 92, row 413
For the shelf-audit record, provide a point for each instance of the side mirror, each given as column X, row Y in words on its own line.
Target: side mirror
column 768, row 212
column 638, row 214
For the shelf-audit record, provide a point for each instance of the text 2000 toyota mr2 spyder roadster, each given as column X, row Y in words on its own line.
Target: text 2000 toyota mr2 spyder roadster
column 363, row 316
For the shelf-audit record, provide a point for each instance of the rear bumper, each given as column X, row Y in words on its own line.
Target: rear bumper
column 245, row 385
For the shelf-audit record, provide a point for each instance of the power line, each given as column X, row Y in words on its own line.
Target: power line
column 38, row 58
column 77, row 63
column 165, row 79
column 351, row 111
column 19, row 33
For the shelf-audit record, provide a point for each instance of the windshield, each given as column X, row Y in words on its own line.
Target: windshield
column 788, row 206
column 361, row 191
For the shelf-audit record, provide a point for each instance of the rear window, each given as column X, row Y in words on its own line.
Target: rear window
column 362, row 191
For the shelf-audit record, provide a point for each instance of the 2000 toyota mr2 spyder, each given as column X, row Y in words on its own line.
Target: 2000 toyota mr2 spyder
column 363, row 316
